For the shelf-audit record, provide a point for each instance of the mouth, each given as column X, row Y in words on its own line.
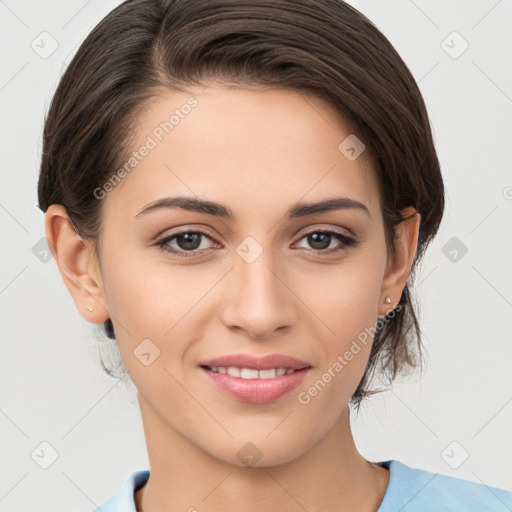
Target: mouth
column 252, row 373
column 252, row 385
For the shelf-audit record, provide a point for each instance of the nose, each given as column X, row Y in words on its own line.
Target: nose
column 259, row 299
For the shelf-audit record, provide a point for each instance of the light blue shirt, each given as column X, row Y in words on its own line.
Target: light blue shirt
column 409, row 490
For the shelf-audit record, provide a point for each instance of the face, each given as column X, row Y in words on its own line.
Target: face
column 184, row 286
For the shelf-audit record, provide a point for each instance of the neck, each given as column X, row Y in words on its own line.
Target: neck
column 329, row 476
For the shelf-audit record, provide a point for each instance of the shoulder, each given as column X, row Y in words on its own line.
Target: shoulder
column 123, row 500
column 415, row 490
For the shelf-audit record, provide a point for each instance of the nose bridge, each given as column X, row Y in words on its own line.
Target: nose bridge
column 261, row 302
column 258, row 278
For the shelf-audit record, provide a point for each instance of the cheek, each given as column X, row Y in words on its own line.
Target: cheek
column 144, row 294
column 150, row 299
column 346, row 296
column 346, row 302
column 138, row 310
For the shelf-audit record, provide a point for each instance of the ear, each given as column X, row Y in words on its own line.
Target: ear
column 399, row 265
column 77, row 264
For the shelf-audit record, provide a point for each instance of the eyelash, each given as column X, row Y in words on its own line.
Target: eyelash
column 347, row 242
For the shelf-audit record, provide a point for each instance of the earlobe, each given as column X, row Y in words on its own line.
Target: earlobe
column 399, row 266
column 77, row 264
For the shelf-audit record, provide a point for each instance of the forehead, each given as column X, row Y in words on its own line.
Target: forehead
column 257, row 149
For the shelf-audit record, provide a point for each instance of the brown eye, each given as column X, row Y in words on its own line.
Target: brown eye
column 188, row 241
column 320, row 240
column 185, row 242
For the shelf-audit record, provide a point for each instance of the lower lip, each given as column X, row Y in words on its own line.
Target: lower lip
column 256, row 391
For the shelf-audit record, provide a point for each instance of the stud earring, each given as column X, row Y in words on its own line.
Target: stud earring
column 387, row 300
column 90, row 308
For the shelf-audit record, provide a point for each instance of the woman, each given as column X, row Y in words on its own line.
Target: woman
column 240, row 192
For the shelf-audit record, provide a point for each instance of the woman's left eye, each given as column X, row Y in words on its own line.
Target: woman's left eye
column 188, row 242
column 321, row 239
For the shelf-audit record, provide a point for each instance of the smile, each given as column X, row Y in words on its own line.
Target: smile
column 254, row 386
column 251, row 373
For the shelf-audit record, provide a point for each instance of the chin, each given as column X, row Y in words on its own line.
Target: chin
column 262, row 454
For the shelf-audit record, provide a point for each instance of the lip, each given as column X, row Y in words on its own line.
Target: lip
column 256, row 391
column 257, row 363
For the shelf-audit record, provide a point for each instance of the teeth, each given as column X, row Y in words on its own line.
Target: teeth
column 268, row 374
column 246, row 373
column 233, row 371
column 251, row 373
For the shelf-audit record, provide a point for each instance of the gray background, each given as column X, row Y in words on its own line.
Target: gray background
column 52, row 388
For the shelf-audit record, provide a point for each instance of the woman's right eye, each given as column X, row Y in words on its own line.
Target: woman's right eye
column 188, row 242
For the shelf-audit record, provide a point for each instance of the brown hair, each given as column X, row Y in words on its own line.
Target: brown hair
column 325, row 47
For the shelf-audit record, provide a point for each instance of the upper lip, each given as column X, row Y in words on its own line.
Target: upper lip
column 257, row 363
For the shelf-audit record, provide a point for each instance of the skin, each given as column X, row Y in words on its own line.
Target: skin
column 257, row 151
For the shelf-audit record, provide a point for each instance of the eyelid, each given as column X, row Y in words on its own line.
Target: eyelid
column 179, row 230
column 329, row 229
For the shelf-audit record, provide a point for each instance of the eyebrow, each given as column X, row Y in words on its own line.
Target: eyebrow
column 212, row 208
